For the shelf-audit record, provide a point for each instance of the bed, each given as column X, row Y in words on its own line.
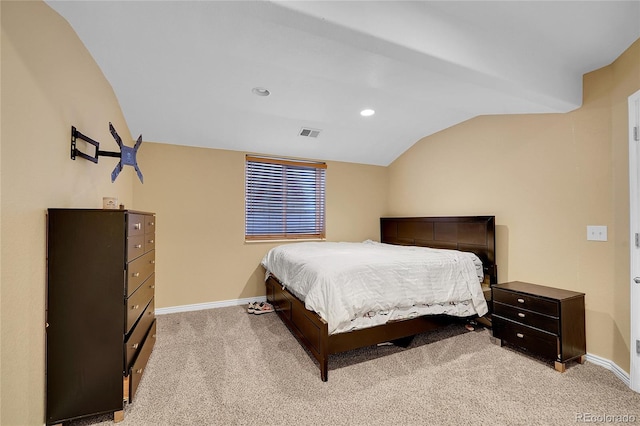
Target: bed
column 322, row 338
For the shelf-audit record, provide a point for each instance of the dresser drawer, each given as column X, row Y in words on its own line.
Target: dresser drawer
column 149, row 224
column 149, row 242
column 137, row 370
column 148, row 316
column 135, row 224
column 139, row 270
column 138, row 301
column 526, row 301
column 134, row 342
column 135, row 247
column 526, row 317
column 539, row 342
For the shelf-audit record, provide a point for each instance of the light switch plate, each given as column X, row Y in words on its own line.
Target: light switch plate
column 596, row 233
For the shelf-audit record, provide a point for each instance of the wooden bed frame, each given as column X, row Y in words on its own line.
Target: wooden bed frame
column 465, row 233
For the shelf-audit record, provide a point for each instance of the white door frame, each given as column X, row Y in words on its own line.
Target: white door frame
column 634, row 228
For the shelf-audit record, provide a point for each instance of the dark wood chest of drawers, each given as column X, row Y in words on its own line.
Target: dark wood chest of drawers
column 100, row 309
column 546, row 321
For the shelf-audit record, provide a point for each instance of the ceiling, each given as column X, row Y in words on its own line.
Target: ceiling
column 183, row 71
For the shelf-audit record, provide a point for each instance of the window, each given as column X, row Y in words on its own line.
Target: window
column 284, row 199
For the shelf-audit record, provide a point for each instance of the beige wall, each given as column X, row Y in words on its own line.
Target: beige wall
column 49, row 83
column 198, row 195
column 545, row 177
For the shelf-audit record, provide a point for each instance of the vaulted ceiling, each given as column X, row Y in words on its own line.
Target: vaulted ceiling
column 183, row 71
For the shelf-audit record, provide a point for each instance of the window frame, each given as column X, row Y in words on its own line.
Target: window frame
column 288, row 168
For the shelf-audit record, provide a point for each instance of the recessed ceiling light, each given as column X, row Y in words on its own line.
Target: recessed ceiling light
column 367, row 112
column 260, row 91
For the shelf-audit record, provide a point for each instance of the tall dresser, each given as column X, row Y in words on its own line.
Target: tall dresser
column 100, row 320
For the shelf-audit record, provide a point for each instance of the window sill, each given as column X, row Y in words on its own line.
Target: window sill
column 292, row 240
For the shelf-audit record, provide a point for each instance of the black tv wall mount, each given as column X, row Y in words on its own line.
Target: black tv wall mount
column 127, row 154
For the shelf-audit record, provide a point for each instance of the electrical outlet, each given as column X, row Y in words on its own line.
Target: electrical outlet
column 596, row 233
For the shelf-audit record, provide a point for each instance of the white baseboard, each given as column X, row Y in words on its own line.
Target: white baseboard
column 612, row 366
column 209, row 305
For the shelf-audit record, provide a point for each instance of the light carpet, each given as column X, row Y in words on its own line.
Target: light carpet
column 227, row 367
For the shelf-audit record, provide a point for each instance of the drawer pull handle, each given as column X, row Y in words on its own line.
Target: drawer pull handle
column 134, row 307
column 521, row 315
column 154, row 336
column 134, row 346
column 139, row 371
column 520, row 335
column 138, row 246
column 150, row 241
column 137, row 226
column 152, row 286
column 520, row 300
column 149, row 313
column 152, row 262
column 151, row 223
column 136, row 274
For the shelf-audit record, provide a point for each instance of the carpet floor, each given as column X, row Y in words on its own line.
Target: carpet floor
column 227, row 367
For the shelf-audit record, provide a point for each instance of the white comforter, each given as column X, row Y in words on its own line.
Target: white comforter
column 343, row 282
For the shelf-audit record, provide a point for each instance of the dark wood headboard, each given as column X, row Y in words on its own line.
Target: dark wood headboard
column 465, row 233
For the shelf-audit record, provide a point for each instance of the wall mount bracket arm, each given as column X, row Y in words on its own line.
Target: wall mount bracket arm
column 127, row 154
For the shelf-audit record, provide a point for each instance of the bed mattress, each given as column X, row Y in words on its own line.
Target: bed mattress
column 357, row 285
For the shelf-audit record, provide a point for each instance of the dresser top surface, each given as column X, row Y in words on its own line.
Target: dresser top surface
column 538, row 290
column 103, row 210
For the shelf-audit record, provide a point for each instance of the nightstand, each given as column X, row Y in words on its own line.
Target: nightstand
column 546, row 321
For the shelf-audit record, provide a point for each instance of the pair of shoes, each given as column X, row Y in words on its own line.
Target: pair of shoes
column 259, row 308
column 263, row 308
column 252, row 306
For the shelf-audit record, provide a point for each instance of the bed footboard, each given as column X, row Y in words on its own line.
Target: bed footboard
column 313, row 332
column 310, row 330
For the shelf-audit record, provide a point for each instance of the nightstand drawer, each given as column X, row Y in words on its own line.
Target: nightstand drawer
column 526, row 317
column 526, row 301
column 539, row 342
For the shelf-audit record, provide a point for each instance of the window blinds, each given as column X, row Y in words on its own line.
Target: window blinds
column 284, row 199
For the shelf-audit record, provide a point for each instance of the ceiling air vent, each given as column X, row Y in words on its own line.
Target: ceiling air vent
column 311, row 133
